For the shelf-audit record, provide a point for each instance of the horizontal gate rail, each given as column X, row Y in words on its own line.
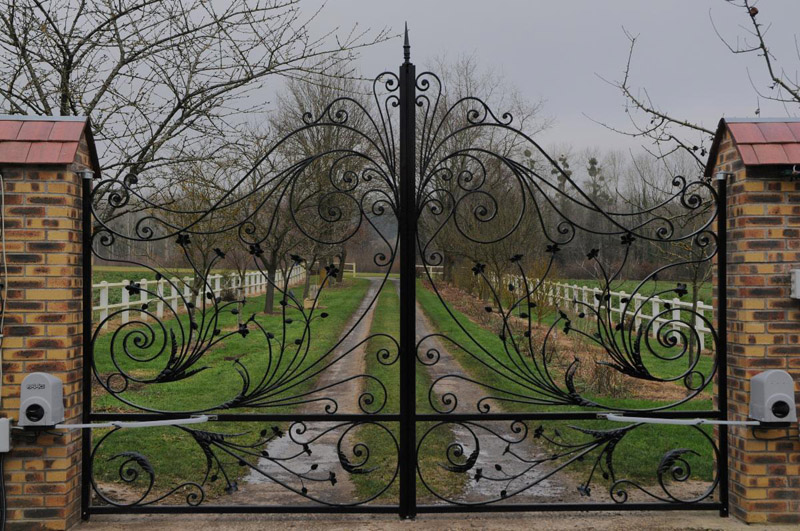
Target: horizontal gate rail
column 562, row 507
column 392, row 509
column 254, row 417
column 388, row 417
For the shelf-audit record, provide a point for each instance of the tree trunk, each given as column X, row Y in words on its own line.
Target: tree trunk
column 342, row 261
column 271, row 267
column 447, row 269
column 239, row 291
column 63, row 104
column 307, row 282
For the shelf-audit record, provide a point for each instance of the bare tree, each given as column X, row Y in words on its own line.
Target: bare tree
column 157, row 75
column 328, row 154
column 649, row 183
column 650, row 123
column 782, row 86
column 265, row 209
column 668, row 133
column 465, row 150
column 198, row 186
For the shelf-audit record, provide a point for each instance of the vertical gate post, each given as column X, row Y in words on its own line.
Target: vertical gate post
column 86, row 260
column 407, row 227
column 722, row 343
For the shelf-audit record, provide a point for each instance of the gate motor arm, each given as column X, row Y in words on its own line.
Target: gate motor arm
column 772, row 405
column 42, row 406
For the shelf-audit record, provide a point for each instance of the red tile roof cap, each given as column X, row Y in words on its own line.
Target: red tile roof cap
column 760, row 141
column 40, row 139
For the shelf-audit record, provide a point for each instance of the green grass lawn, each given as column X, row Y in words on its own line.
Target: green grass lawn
column 289, row 369
column 636, row 456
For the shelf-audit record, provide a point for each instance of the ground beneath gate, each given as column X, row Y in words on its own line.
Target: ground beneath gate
column 612, row 520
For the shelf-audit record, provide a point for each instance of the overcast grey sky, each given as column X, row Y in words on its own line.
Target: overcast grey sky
column 553, row 50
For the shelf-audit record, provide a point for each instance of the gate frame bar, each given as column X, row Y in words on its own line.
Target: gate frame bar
column 722, row 338
column 407, row 459
column 87, row 348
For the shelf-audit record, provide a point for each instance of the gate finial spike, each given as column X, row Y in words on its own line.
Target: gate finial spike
column 406, row 46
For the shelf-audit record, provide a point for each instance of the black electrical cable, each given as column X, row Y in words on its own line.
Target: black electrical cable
column 786, row 437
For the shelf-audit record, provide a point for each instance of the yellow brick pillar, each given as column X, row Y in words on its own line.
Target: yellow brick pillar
column 763, row 321
column 40, row 162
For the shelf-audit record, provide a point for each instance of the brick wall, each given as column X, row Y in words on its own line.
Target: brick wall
column 43, row 333
column 763, row 332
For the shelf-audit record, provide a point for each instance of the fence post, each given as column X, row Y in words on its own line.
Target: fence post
column 656, row 320
column 574, row 297
column 187, row 290
column 621, row 307
column 637, row 304
column 103, row 300
column 676, row 315
column 217, row 285
column 698, row 326
column 160, row 303
column 125, row 300
column 143, row 297
column 173, row 299
column 232, row 284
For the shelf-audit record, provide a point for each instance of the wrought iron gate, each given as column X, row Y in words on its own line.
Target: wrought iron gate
column 494, row 410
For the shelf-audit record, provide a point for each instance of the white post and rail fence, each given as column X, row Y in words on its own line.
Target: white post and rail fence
column 253, row 284
column 169, row 292
column 639, row 307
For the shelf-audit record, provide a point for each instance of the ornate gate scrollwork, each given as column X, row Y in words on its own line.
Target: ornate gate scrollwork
column 480, row 409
